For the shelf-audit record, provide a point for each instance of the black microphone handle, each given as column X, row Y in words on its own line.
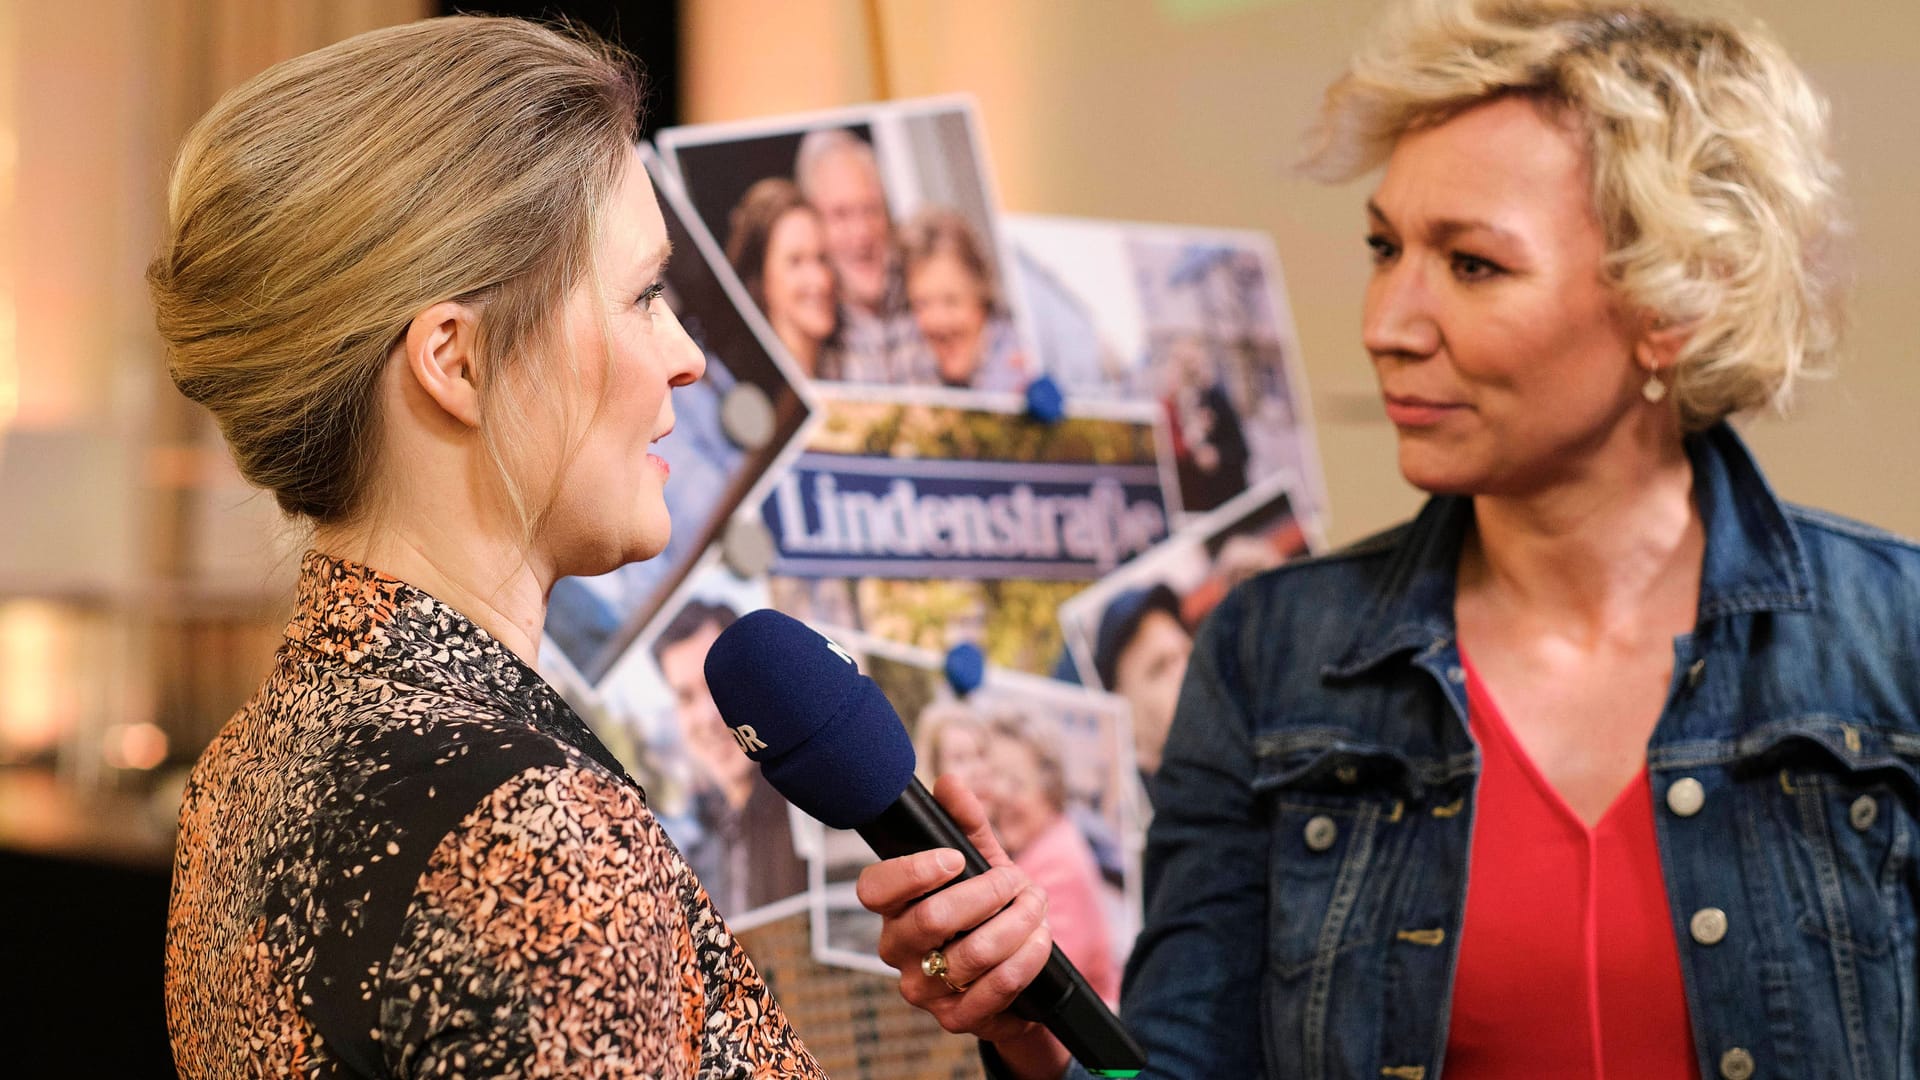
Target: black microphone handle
column 1058, row 996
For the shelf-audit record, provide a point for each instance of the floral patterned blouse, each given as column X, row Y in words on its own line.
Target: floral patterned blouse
column 406, row 856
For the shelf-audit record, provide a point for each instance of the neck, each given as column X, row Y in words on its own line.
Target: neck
column 1606, row 550
column 868, row 306
column 489, row 580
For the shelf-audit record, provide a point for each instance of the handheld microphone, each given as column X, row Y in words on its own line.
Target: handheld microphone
column 826, row 737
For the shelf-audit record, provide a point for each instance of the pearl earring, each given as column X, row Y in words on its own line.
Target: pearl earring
column 1653, row 389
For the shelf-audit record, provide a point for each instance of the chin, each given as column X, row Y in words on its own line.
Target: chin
column 650, row 528
column 957, row 366
column 862, row 284
column 1430, row 472
column 614, row 549
column 646, row 547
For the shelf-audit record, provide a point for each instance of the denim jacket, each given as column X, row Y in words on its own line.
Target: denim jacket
column 1306, row 871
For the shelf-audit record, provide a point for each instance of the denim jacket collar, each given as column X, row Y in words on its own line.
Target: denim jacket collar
column 1754, row 560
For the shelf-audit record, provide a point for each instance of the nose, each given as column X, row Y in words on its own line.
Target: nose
column 689, row 361
column 937, row 316
column 1399, row 318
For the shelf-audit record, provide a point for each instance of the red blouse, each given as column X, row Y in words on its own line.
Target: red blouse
column 1568, row 965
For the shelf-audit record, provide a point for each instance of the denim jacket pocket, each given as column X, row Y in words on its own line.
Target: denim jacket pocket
column 1845, row 807
column 1326, row 799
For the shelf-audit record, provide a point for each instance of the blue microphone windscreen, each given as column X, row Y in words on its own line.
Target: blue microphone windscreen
column 824, row 734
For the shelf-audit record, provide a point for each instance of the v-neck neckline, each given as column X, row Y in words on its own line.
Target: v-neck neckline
column 1493, row 722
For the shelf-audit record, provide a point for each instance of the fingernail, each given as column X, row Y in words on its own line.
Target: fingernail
column 949, row 860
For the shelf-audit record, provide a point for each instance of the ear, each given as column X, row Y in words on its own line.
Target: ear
column 440, row 358
column 1660, row 343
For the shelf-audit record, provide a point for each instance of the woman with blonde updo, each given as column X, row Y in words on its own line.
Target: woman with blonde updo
column 416, row 277
column 1608, row 763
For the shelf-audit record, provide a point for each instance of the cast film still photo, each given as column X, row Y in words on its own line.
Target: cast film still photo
column 1131, row 632
column 731, row 825
column 1193, row 320
column 867, row 236
column 1052, row 764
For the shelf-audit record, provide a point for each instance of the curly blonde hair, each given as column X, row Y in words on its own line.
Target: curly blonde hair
column 319, row 207
column 1710, row 171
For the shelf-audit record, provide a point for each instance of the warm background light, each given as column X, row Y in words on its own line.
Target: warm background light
column 134, row 746
column 38, row 698
column 142, row 585
column 9, row 160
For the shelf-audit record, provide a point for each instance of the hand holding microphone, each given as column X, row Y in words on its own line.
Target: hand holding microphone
column 991, row 929
column 828, row 740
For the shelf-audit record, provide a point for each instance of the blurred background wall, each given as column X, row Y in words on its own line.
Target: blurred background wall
column 142, row 586
column 139, row 582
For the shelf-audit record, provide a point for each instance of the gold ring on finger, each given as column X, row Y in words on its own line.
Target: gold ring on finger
column 934, row 966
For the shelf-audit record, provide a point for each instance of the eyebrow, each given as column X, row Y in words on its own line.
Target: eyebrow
column 657, row 259
column 1447, row 229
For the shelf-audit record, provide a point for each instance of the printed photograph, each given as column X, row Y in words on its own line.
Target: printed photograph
column 729, row 429
column 1053, row 766
column 654, row 709
column 935, row 519
column 1131, row 633
column 867, row 237
column 1194, row 320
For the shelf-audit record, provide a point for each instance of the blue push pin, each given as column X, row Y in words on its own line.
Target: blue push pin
column 966, row 668
column 1045, row 402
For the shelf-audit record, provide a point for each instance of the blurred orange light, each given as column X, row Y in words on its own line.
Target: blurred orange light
column 35, row 707
column 134, row 746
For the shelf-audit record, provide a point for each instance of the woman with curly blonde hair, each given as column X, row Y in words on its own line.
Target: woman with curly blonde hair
column 1608, row 763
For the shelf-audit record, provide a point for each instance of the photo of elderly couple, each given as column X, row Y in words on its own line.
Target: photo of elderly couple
column 867, row 240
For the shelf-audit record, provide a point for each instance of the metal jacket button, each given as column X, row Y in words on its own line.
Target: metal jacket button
column 1686, row 796
column 1863, row 813
column 1736, row 1064
column 1708, row 925
column 1321, row 833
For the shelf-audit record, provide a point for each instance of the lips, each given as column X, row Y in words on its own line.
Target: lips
column 656, row 460
column 820, row 307
column 1406, row 410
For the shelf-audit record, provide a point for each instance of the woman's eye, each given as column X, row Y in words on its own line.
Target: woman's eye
column 1383, row 249
column 1473, row 268
column 653, row 292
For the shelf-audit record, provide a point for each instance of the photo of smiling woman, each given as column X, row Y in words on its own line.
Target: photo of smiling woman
column 777, row 245
column 416, row 277
column 1605, row 765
